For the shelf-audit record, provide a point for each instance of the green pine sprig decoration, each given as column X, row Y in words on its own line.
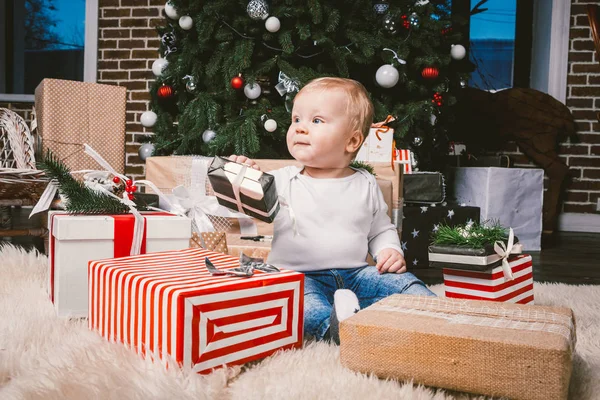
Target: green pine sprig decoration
column 473, row 236
column 81, row 199
column 360, row 164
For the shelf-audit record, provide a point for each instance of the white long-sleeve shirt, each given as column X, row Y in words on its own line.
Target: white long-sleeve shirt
column 338, row 221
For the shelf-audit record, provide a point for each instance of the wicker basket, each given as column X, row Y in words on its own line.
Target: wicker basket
column 20, row 182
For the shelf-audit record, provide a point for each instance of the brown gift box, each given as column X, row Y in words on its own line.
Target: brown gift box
column 169, row 172
column 214, row 241
column 482, row 347
column 237, row 246
column 71, row 113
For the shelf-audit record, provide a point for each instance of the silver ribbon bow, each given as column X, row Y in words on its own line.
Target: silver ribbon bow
column 286, row 84
column 246, row 269
column 169, row 42
column 505, row 250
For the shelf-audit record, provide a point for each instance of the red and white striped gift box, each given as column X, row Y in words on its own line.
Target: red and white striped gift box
column 167, row 306
column 405, row 157
column 491, row 285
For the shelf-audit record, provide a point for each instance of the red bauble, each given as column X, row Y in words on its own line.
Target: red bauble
column 116, row 180
column 430, row 72
column 437, row 99
column 165, row 92
column 405, row 21
column 237, row 82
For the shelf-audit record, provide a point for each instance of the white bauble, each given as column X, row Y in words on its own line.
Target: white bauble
column 270, row 125
column 272, row 24
column 158, row 66
column 458, row 51
column 148, row 119
column 252, row 90
column 208, row 135
column 146, row 151
column 186, row 22
column 387, row 76
column 171, row 11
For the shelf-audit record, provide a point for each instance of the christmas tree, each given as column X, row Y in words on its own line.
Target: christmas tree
column 230, row 69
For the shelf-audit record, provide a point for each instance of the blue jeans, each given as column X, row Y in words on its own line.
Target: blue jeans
column 366, row 282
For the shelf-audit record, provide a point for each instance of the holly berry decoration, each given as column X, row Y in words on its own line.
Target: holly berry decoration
column 405, row 21
column 116, row 180
column 165, row 92
column 430, row 73
column 237, row 82
column 437, row 99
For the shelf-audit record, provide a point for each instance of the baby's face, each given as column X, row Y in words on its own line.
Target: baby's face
column 320, row 129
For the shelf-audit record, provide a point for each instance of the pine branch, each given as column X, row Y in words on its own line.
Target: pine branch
column 474, row 236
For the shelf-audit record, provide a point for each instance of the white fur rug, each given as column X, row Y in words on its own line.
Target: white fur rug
column 43, row 357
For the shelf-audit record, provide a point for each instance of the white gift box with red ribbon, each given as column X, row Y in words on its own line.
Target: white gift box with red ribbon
column 77, row 239
column 168, row 307
column 493, row 285
column 377, row 146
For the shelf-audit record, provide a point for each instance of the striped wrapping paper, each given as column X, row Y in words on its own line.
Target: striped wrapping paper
column 167, row 306
column 405, row 157
column 491, row 285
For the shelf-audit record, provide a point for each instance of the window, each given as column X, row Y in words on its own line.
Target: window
column 45, row 39
column 492, row 44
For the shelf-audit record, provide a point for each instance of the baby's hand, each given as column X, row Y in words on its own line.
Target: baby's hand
column 392, row 261
column 244, row 160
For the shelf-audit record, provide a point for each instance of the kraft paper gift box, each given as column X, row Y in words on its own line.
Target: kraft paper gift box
column 244, row 189
column 493, row 284
column 378, row 146
column 496, row 349
column 71, row 113
column 168, row 172
column 77, row 239
column 169, row 307
column 511, row 196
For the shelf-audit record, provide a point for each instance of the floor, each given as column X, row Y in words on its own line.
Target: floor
column 573, row 258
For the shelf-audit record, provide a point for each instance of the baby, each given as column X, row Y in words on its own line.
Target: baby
column 336, row 214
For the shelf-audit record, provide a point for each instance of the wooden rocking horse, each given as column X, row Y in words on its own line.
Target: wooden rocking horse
column 536, row 121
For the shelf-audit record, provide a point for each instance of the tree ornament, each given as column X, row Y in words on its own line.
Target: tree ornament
column 158, row 66
column 208, row 135
column 458, row 51
column 186, row 22
column 414, row 20
column 190, row 83
column 405, row 21
column 420, row 3
column 148, row 119
column 417, row 141
column 430, row 72
column 447, row 30
column 437, row 99
column 258, row 9
column 389, row 24
column 165, row 92
column 381, row 6
column 252, row 90
column 272, row 24
column 387, row 76
column 237, row 82
column 169, row 42
column 128, row 182
column 463, row 83
column 146, row 151
column 270, row 125
column 171, row 11
column 116, row 180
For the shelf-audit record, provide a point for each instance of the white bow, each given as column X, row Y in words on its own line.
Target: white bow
column 505, row 250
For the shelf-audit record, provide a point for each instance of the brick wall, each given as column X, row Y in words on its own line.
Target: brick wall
column 128, row 44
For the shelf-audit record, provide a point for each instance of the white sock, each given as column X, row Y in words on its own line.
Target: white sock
column 345, row 303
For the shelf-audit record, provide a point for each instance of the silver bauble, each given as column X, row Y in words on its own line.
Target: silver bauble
column 190, row 85
column 146, row 151
column 258, row 9
column 417, row 141
column 208, row 135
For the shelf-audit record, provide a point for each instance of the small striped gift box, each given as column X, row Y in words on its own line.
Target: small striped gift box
column 167, row 306
column 491, row 285
column 406, row 158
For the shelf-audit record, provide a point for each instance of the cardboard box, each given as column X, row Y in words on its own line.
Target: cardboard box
column 495, row 349
column 71, row 113
column 178, row 311
column 77, row 239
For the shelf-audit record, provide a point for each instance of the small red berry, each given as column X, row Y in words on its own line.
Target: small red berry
column 116, row 179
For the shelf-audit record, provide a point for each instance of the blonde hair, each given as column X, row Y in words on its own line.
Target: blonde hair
column 358, row 99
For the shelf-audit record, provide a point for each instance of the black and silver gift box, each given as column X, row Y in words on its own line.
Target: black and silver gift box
column 244, row 189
